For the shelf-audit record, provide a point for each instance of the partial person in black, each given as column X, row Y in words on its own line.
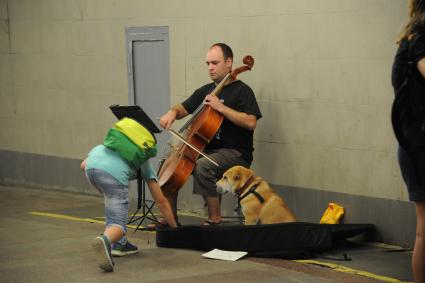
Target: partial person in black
column 412, row 160
column 233, row 143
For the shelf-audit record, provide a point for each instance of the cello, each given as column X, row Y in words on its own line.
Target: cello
column 199, row 130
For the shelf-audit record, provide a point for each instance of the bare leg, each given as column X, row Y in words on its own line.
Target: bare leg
column 418, row 258
column 214, row 212
column 114, row 233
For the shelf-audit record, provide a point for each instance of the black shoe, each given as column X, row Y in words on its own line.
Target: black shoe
column 123, row 250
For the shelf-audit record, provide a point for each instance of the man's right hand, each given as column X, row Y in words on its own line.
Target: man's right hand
column 168, row 119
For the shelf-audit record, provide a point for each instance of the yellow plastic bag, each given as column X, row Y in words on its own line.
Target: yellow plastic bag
column 332, row 214
column 136, row 133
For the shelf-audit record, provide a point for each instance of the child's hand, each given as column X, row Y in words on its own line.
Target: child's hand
column 83, row 165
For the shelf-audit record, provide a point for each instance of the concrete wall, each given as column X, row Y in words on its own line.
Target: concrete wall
column 321, row 76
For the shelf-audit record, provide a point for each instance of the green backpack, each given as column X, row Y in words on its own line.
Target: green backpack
column 128, row 150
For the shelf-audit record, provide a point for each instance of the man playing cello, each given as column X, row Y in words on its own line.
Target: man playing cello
column 233, row 142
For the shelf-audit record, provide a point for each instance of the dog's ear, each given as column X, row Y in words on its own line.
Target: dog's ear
column 237, row 176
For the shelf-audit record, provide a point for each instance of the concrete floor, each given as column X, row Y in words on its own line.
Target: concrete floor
column 45, row 237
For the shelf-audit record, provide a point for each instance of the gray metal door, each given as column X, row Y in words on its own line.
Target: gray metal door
column 148, row 73
column 149, row 78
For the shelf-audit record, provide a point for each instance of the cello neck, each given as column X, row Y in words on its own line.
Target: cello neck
column 201, row 107
column 220, row 86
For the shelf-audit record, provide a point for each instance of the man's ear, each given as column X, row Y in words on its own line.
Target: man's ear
column 229, row 62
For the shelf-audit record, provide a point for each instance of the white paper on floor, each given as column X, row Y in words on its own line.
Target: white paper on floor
column 224, row 255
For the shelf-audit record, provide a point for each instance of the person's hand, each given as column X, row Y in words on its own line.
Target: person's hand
column 214, row 102
column 167, row 119
column 83, row 165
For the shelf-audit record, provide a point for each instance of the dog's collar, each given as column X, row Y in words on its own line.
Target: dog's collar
column 251, row 191
column 245, row 186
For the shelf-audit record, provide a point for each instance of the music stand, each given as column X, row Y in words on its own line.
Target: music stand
column 137, row 113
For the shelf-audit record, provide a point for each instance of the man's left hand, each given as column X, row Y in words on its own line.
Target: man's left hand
column 214, row 102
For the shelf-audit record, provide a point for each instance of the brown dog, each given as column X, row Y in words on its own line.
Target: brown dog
column 258, row 201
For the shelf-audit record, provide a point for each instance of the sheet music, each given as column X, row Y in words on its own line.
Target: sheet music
column 224, row 255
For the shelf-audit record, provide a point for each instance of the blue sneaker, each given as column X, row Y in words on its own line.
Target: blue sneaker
column 103, row 252
column 123, row 250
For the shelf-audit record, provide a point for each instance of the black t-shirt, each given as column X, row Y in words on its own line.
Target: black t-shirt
column 240, row 97
column 400, row 65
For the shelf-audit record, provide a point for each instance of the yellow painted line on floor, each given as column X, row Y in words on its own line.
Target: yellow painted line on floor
column 72, row 218
column 345, row 269
column 92, row 220
column 190, row 214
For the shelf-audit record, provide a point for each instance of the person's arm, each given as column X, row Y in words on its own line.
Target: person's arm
column 162, row 202
column 241, row 119
column 148, row 174
column 176, row 112
column 421, row 66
